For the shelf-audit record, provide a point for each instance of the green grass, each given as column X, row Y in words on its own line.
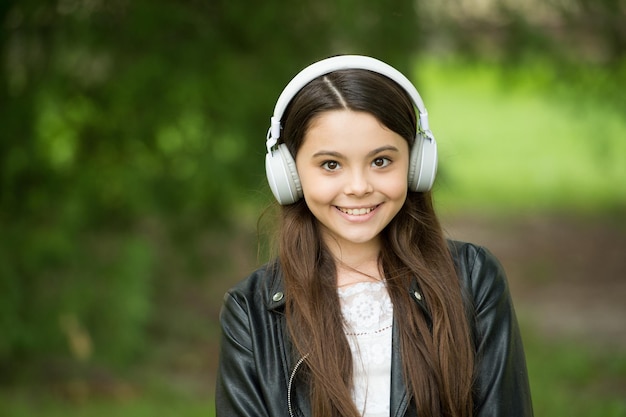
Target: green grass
column 23, row 403
column 511, row 144
column 571, row 379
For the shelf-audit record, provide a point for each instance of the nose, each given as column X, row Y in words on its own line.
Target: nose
column 358, row 183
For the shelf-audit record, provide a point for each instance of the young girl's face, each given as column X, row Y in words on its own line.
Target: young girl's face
column 353, row 172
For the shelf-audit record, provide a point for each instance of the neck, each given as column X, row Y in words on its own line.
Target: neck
column 356, row 262
column 348, row 275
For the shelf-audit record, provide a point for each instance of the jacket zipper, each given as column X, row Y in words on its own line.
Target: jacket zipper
column 291, row 378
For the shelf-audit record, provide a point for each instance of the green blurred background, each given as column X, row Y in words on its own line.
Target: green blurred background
column 131, row 181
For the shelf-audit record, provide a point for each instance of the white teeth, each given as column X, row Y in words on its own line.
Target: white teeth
column 356, row 212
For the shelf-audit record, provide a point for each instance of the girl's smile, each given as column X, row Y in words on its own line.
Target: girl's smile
column 357, row 211
column 353, row 172
column 358, row 215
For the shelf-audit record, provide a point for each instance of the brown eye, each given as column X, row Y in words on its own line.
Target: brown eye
column 381, row 162
column 330, row 165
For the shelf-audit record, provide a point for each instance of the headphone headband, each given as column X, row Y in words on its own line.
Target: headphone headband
column 336, row 63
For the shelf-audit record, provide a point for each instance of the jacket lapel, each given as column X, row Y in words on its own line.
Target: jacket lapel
column 400, row 398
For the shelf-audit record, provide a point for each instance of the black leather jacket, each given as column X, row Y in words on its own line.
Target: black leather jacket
column 258, row 376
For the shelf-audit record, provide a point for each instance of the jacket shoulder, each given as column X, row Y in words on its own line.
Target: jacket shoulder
column 501, row 384
column 480, row 272
column 259, row 286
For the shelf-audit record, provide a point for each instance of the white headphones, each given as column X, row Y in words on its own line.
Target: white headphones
column 280, row 166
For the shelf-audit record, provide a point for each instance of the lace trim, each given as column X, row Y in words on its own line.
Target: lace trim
column 366, row 308
column 372, row 332
column 368, row 316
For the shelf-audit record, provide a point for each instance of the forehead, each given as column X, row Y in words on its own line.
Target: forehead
column 347, row 128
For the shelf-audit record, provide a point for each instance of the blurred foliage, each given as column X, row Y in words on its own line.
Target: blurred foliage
column 132, row 141
column 126, row 124
column 583, row 42
column 571, row 379
column 506, row 144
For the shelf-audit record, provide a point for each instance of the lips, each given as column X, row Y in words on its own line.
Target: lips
column 360, row 211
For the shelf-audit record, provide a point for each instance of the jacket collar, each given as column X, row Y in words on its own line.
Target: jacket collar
column 275, row 292
column 275, row 288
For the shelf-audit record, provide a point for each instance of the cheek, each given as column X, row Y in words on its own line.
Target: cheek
column 399, row 198
column 397, row 187
column 318, row 192
column 310, row 181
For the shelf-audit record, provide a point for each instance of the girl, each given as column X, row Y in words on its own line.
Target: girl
column 368, row 310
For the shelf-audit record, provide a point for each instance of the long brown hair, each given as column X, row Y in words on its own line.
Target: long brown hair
column 437, row 357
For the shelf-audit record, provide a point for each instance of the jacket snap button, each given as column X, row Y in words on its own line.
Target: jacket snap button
column 418, row 295
column 278, row 296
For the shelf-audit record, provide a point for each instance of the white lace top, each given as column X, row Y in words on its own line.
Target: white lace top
column 368, row 317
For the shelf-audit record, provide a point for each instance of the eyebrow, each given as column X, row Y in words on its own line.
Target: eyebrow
column 334, row 154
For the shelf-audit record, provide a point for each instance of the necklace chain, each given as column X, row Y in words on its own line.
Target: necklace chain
column 353, row 269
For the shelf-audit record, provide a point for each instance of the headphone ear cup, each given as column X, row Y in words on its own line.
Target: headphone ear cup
column 282, row 175
column 423, row 163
